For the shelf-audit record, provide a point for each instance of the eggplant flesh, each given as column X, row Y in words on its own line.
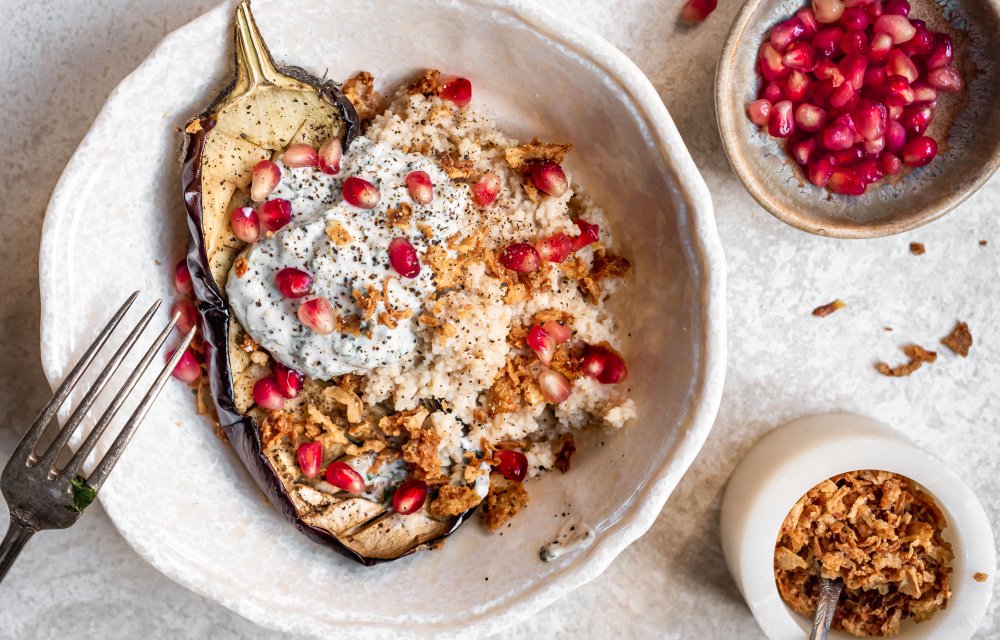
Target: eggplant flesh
column 265, row 109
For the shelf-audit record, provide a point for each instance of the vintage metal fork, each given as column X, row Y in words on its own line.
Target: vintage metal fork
column 42, row 496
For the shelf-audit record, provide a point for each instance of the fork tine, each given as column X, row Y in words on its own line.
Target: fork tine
column 100, row 474
column 26, row 447
column 102, row 381
column 95, row 434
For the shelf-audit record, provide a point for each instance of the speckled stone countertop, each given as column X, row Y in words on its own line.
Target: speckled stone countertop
column 62, row 58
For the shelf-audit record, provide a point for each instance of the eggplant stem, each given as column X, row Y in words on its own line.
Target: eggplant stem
column 254, row 65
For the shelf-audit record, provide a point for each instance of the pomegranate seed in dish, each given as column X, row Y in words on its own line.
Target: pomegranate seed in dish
column 899, row 27
column 330, row 153
column 614, row 371
column 403, row 258
column 593, row 362
column 828, row 11
column 267, row 395
column 697, row 10
column 890, row 164
column 420, row 187
column 520, row 257
column 897, row 7
column 317, row 314
column 919, row 151
column 854, row 19
column 555, row 248
column 485, row 189
column 360, row 193
column 458, row 91
column 275, row 214
column 773, row 92
column 770, row 63
column 820, row 170
column 343, row 476
column 409, row 497
column 943, row 52
column 786, row 33
column 187, row 369
column 781, row 122
column 245, row 224
column 803, row 149
column 182, row 278
column 310, row 455
column 827, row 42
column 265, row 178
column 539, row 341
column 800, row 56
column 188, row 317
column 796, row 86
column 513, row 465
column 758, row 111
column 293, row 283
column 845, row 182
column 549, row 178
column 808, row 18
column 872, row 118
column 300, row 155
column 916, row 119
column 589, row 234
column 289, row 381
column 945, row 79
column 555, row 386
column 560, row 333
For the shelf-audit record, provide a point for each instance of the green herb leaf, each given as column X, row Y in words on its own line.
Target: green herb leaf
column 82, row 494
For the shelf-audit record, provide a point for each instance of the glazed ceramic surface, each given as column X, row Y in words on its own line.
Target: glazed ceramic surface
column 116, row 223
column 968, row 149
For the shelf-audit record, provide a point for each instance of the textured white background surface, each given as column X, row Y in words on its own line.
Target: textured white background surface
column 62, row 57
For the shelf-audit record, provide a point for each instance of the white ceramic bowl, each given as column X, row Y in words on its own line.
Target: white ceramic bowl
column 797, row 456
column 116, row 223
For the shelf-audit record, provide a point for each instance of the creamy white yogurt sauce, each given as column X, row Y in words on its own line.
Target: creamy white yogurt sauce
column 272, row 320
column 573, row 536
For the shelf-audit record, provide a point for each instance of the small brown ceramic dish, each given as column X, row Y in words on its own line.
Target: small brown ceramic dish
column 966, row 126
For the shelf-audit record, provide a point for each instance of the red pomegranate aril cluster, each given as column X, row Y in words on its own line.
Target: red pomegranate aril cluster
column 525, row 258
column 605, row 365
column 485, row 189
column 289, row 381
column 285, row 383
column 852, row 86
column 187, row 314
column 245, row 224
column 520, row 257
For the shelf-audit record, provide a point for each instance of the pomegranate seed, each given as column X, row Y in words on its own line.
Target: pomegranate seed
column 786, row 33
column 916, row 22
column 246, row 224
column 771, row 65
column 343, row 476
column 555, row 386
column 837, row 137
column 539, row 341
column 899, row 64
column 330, row 154
column 293, row 283
column 360, row 193
column 486, row 188
column 182, row 278
column 854, row 43
column 942, row 54
column 300, row 155
column 945, row 79
column 844, row 181
column 872, row 118
column 916, row 119
column 874, row 147
column 758, row 111
column 265, row 179
column 520, row 257
column 267, row 395
column 275, row 214
column 897, row 7
column 403, row 258
column 827, row 41
column 409, row 497
column 809, row 117
column 920, row 44
column 781, row 122
column 827, row 70
column 555, row 248
column 458, row 91
column 513, row 465
column 317, row 314
column 802, row 150
column 772, row 93
column 797, row 86
column 897, row 26
column 919, row 151
column 188, row 317
column 924, row 93
column 187, row 368
column 289, row 381
column 310, row 457
column 697, row 10
column 614, row 371
column 874, row 10
column 820, row 170
column 844, row 97
column 419, row 184
column 561, row 333
column 890, row 164
column 593, row 362
column 895, row 111
column 868, row 171
column 809, row 21
column 895, row 137
column 853, row 67
column 879, row 48
column 898, row 92
column 549, row 178
column 855, row 19
column 848, row 157
column 800, row 56
column 589, row 234
column 828, row 11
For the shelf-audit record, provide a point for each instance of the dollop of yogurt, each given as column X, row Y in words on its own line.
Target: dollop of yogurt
column 338, row 269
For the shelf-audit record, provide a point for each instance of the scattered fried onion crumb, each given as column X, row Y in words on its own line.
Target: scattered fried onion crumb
column 917, row 248
column 983, row 243
column 453, row 500
column 426, row 84
column 400, row 216
column 565, row 453
column 917, row 355
column 360, row 90
column 979, row 576
column 338, row 234
column 521, row 156
column 878, row 532
column 959, row 340
column 504, row 501
column 831, row 307
column 241, row 267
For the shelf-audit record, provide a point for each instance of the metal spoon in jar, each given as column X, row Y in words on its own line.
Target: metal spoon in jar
column 829, row 594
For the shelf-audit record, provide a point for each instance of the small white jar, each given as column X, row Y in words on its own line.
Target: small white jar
column 797, row 456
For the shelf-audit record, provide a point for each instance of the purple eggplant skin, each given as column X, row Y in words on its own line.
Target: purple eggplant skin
column 242, row 431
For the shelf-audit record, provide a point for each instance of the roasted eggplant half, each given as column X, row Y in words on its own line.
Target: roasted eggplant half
column 265, row 109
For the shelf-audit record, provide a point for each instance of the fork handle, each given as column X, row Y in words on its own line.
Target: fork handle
column 17, row 535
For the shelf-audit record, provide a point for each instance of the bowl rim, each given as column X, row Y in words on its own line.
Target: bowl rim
column 709, row 268
column 831, row 228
